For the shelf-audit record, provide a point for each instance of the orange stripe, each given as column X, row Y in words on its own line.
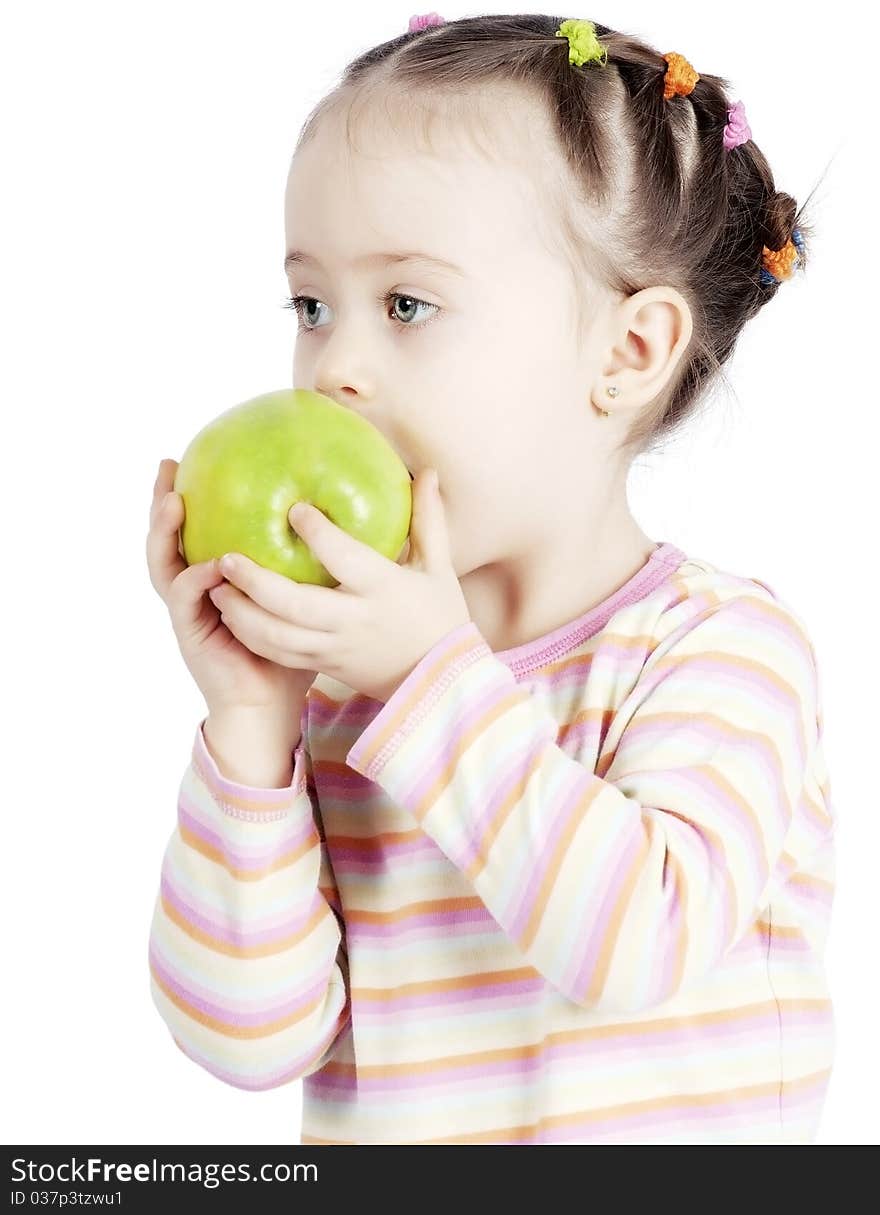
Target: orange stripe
column 457, row 983
column 551, row 877
column 809, row 882
column 512, row 798
column 595, row 1034
column 408, row 910
column 429, row 677
column 598, row 977
column 733, row 1097
column 510, row 700
column 228, row 1030
column 585, row 717
column 262, row 950
column 738, row 737
column 283, row 861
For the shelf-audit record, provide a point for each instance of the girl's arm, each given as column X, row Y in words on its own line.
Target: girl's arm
column 247, row 953
column 624, row 885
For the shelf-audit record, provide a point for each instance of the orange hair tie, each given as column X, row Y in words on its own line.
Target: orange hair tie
column 680, row 76
column 780, row 262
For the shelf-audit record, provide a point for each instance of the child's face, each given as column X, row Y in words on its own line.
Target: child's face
column 486, row 387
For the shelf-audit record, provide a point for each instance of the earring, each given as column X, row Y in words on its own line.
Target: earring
column 612, row 391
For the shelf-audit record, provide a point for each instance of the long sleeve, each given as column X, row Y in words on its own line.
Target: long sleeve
column 247, row 951
column 624, row 885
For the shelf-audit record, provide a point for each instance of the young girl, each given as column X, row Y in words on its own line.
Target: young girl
column 527, row 837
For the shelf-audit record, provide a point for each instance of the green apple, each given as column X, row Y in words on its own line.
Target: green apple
column 242, row 472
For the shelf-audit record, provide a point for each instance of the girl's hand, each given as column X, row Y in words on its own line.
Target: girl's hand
column 371, row 630
column 227, row 672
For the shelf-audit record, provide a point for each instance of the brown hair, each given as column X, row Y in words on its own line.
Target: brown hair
column 650, row 195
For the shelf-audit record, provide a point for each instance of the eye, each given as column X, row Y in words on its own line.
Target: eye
column 299, row 304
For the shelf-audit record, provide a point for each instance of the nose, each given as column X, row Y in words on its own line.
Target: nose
column 345, row 369
column 347, row 396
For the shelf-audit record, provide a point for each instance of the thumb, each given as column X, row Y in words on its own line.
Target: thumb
column 429, row 536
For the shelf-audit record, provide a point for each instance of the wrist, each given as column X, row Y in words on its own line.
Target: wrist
column 252, row 747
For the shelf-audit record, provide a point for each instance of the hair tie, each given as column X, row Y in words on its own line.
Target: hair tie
column 680, row 77
column 780, row 264
column 583, row 45
column 737, row 130
column 422, row 23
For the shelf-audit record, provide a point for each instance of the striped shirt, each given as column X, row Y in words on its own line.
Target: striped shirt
column 577, row 891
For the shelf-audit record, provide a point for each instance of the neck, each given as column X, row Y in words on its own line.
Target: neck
column 526, row 596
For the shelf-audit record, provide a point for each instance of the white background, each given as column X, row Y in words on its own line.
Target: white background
column 145, row 152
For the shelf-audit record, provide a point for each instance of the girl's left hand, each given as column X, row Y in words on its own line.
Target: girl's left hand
column 371, row 630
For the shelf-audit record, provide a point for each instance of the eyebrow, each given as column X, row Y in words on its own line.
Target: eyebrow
column 295, row 257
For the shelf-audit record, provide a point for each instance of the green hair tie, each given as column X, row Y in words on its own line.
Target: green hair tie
column 583, row 45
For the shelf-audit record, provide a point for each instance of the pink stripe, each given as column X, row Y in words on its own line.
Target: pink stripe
column 244, row 860
column 705, row 739
column 506, row 994
column 599, row 928
column 186, row 897
column 571, row 804
column 417, row 693
column 473, row 1077
column 285, row 928
column 767, row 619
column 821, row 898
column 349, row 859
column 272, row 1079
column 481, row 706
column 422, row 924
column 343, row 783
column 487, row 823
column 668, row 957
column 231, row 1012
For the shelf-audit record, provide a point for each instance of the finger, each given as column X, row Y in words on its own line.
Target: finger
column 428, row 530
column 162, row 485
column 299, row 603
column 164, row 558
column 266, row 634
column 185, row 597
column 352, row 563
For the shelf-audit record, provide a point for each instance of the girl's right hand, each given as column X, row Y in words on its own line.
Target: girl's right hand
column 229, row 675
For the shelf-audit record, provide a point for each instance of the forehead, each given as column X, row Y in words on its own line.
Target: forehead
column 456, row 179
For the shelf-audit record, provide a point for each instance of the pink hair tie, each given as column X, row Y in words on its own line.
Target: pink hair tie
column 422, row 23
column 737, row 130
